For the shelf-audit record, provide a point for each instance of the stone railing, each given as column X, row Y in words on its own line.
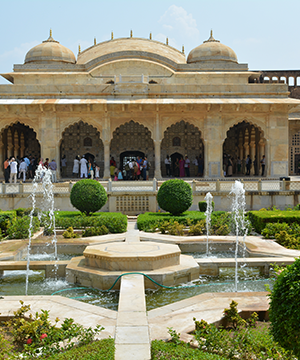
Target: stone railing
column 151, row 186
column 134, row 197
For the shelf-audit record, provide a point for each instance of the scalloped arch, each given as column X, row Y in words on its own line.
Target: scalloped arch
column 31, row 126
column 140, row 122
column 69, row 125
column 178, row 122
column 237, row 122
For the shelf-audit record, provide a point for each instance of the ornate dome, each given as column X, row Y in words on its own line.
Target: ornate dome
column 50, row 50
column 212, row 50
column 131, row 47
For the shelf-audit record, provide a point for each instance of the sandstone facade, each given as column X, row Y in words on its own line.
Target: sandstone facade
column 133, row 96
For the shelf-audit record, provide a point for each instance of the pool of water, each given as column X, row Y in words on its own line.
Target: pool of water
column 249, row 280
column 13, row 283
column 212, row 255
column 49, row 257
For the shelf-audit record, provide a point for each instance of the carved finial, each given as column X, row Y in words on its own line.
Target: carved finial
column 150, row 36
column 211, row 38
column 167, row 41
column 130, row 33
column 79, row 49
column 50, row 38
column 95, row 41
column 182, row 49
column 112, row 35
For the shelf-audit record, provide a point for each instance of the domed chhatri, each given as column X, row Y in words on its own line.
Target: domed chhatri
column 212, row 50
column 50, row 50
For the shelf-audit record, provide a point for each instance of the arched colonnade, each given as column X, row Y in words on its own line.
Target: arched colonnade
column 180, row 139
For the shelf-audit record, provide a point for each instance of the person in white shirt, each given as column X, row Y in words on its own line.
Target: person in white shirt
column 13, row 170
column 76, row 167
column 83, row 167
column 168, row 165
column 23, row 169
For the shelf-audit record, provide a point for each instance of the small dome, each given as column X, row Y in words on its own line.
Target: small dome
column 212, row 50
column 50, row 50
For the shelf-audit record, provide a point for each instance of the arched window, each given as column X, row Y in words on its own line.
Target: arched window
column 176, row 141
column 87, row 142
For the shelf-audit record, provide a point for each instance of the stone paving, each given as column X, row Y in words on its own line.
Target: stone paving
column 132, row 327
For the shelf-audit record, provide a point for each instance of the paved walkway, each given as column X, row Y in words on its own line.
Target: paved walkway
column 132, row 327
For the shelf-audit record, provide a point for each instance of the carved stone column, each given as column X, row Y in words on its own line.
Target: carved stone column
column 106, row 138
column 22, row 145
column 9, row 144
column 106, row 174
column 157, row 139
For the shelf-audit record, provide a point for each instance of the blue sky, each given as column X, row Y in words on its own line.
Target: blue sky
column 263, row 33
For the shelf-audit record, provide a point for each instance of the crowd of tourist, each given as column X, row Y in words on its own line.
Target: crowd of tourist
column 181, row 167
column 245, row 166
column 133, row 169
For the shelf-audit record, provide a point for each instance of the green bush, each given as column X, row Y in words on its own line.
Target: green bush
column 95, row 231
column 115, row 222
column 6, row 218
column 284, row 308
column 150, row 221
column 88, row 196
column 39, row 338
column 198, row 229
column 288, row 241
column 272, row 229
column 220, row 223
column 175, row 196
column 19, row 229
column 172, row 228
column 69, row 233
column 203, row 205
column 260, row 219
column 26, row 211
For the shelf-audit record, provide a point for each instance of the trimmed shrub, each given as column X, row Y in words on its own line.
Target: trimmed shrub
column 69, row 234
column 288, row 241
column 198, row 229
column 6, row 218
column 270, row 231
column 95, row 231
column 260, row 219
column 284, row 308
column 88, row 196
column 175, row 196
column 19, row 228
column 151, row 221
column 203, row 205
column 115, row 222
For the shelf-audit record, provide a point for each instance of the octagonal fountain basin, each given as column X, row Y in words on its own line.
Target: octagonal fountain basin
column 101, row 265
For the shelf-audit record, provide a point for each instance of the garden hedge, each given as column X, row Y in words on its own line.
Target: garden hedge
column 152, row 220
column 284, row 308
column 115, row 222
column 88, row 196
column 175, row 196
column 260, row 219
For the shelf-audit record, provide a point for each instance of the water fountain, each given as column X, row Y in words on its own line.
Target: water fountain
column 43, row 176
column 238, row 212
column 209, row 208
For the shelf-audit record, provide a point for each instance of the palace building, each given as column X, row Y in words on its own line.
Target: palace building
column 132, row 97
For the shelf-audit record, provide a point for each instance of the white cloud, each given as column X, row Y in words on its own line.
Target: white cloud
column 17, row 55
column 162, row 38
column 177, row 18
